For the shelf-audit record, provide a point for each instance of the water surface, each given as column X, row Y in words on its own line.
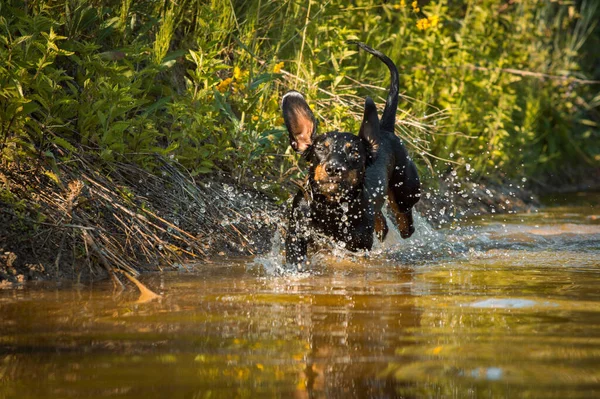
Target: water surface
column 503, row 306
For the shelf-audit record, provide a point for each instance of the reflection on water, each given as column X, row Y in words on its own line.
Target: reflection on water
column 500, row 307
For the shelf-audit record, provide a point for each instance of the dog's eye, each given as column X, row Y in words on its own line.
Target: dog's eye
column 354, row 153
column 320, row 147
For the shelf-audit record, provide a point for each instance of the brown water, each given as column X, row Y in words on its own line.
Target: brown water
column 503, row 307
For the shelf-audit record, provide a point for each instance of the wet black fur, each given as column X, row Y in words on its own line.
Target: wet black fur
column 350, row 176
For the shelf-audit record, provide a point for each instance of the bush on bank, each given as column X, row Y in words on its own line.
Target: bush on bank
column 489, row 84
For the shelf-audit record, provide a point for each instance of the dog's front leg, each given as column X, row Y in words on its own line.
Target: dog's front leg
column 296, row 242
column 360, row 238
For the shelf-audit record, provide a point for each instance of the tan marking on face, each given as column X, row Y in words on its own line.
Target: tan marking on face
column 353, row 176
column 348, row 145
column 320, row 173
column 326, row 144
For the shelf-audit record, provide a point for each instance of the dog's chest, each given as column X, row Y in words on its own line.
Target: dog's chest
column 343, row 219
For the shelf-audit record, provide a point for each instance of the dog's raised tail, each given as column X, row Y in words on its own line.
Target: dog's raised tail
column 388, row 119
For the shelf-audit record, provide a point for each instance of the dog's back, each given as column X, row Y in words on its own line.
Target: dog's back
column 392, row 164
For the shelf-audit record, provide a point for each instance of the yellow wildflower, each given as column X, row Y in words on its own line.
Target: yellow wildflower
column 277, row 67
column 237, row 73
column 423, row 24
column 399, row 6
column 429, row 22
column 433, row 20
column 415, row 6
column 254, row 118
column 222, row 87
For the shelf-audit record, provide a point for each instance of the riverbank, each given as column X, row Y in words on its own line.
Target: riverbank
column 81, row 223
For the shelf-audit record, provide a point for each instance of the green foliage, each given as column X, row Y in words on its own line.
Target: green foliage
column 487, row 83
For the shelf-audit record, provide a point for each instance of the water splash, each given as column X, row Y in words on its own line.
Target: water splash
column 494, row 236
column 426, row 244
column 272, row 263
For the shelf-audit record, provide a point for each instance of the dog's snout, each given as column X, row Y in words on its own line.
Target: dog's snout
column 334, row 168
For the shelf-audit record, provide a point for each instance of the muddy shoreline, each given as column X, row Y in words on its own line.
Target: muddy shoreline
column 84, row 224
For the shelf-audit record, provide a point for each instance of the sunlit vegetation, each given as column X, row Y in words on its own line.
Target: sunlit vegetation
column 489, row 83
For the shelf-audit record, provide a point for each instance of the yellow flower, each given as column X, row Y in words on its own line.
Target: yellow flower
column 222, row 87
column 429, row 22
column 399, row 6
column 277, row 67
column 415, row 6
column 423, row 24
column 433, row 20
column 255, row 118
column 237, row 73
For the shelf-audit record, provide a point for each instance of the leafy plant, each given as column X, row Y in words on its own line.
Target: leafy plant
column 486, row 83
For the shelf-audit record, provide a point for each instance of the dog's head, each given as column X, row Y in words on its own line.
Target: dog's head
column 338, row 160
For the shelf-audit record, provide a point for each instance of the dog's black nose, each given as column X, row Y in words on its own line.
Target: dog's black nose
column 334, row 169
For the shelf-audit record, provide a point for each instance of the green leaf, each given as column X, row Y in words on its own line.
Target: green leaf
column 157, row 105
column 260, row 79
column 168, row 64
column 588, row 122
column 30, row 107
column 172, row 56
column 21, row 39
column 62, row 143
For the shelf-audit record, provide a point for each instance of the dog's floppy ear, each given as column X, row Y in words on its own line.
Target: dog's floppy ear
column 299, row 120
column 369, row 130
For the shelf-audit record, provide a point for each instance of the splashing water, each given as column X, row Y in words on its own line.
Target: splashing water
column 272, row 263
column 426, row 244
column 465, row 239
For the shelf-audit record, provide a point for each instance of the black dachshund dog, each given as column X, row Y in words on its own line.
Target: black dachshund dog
column 350, row 176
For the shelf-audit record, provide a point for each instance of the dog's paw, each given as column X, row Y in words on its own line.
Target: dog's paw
column 408, row 232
